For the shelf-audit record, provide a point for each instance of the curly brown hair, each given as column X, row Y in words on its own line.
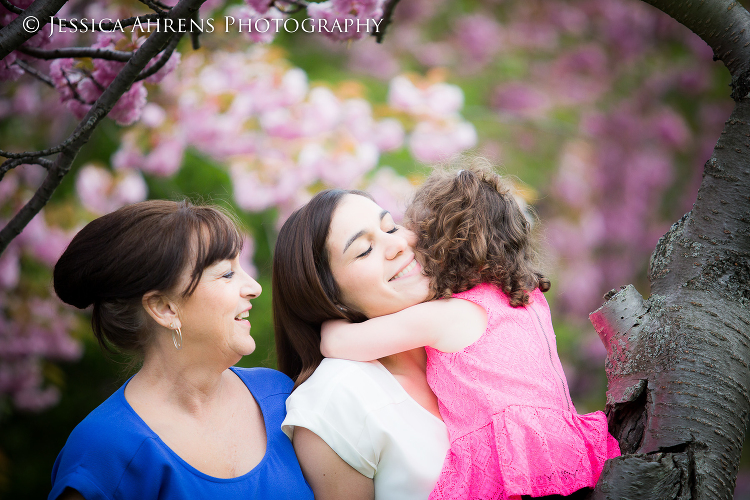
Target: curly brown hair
column 471, row 231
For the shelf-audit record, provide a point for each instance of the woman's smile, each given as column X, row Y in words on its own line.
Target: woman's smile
column 410, row 269
column 242, row 317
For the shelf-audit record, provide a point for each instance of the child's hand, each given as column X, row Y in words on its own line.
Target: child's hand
column 328, row 332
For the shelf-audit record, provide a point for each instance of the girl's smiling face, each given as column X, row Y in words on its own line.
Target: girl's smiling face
column 214, row 317
column 372, row 259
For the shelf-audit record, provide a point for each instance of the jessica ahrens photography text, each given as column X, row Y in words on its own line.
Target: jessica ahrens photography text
column 208, row 25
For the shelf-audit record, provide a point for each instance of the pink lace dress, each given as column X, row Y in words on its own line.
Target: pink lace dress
column 512, row 426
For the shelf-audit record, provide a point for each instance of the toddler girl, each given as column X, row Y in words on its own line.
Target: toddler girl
column 491, row 356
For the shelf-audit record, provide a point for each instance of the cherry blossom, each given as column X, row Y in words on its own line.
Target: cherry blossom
column 434, row 142
column 102, row 192
column 353, row 19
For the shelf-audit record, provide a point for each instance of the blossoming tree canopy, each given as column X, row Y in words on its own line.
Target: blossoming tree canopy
column 606, row 107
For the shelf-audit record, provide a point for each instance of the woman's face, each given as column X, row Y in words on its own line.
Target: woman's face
column 372, row 259
column 214, row 318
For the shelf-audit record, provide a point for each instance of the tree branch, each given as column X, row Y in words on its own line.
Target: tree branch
column 390, row 6
column 163, row 59
column 195, row 33
column 74, row 90
column 110, row 55
column 14, row 34
column 723, row 25
column 161, row 5
column 10, row 7
column 27, row 155
column 157, row 7
column 28, row 68
column 155, row 43
column 8, row 165
column 18, row 10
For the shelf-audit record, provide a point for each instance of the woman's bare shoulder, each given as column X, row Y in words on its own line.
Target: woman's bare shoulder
column 341, row 382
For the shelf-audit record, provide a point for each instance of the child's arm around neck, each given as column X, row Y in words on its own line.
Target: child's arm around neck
column 448, row 325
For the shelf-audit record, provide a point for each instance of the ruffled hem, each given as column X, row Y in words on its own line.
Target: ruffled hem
column 527, row 451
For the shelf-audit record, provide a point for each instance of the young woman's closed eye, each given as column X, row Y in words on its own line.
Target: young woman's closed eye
column 369, row 249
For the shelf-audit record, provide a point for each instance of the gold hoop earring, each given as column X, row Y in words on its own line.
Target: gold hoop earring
column 176, row 339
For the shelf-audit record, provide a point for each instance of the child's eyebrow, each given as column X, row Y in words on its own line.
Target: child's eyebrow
column 362, row 232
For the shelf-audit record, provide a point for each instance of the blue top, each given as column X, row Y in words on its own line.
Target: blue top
column 112, row 454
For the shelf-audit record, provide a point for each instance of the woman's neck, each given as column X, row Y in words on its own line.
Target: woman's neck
column 408, row 368
column 407, row 362
column 177, row 378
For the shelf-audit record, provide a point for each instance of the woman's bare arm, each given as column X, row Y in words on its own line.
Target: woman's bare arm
column 327, row 474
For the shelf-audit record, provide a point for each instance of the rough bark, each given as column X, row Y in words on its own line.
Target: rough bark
column 678, row 362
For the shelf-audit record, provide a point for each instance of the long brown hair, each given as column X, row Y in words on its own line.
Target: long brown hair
column 303, row 289
column 471, row 230
column 115, row 259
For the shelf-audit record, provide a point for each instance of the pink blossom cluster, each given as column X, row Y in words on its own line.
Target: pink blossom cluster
column 612, row 176
column 101, row 191
column 258, row 12
column 33, row 328
column 81, row 83
column 9, row 70
column 440, row 131
column 611, row 181
column 32, row 331
column 279, row 136
column 347, row 13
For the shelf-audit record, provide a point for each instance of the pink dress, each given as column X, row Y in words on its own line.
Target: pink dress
column 512, row 426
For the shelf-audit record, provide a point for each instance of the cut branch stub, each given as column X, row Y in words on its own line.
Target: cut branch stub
column 618, row 323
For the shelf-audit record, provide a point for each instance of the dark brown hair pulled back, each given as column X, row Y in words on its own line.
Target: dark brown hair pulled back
column 471, row 230
column 115, row 259
column 304, row 291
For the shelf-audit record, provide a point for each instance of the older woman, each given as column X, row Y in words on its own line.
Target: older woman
column 166, row 284
column 360, row 430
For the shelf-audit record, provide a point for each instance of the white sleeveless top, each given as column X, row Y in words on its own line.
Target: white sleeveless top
column 361, row 411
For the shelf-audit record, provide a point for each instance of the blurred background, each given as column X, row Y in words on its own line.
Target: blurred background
column 602, row 111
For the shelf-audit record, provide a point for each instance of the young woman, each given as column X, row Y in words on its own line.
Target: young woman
column 361, row 430
column 166, row 285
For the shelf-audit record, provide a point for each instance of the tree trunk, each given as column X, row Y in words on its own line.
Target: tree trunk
column 678, row 362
